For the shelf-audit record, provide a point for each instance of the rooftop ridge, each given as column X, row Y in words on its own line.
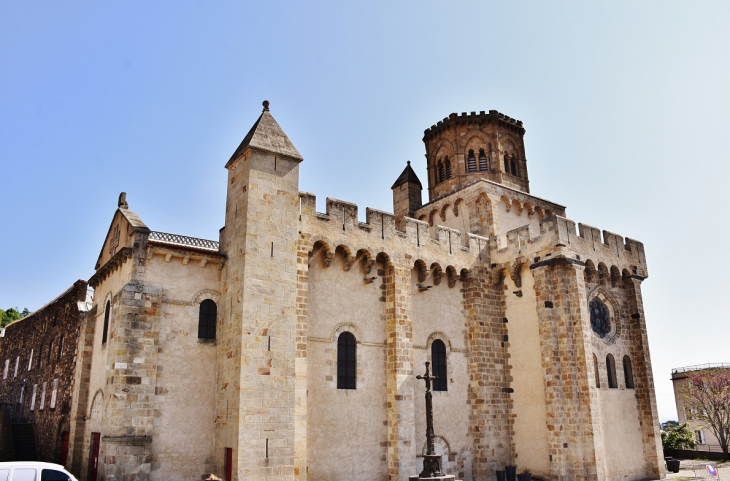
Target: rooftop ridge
column 183, row 240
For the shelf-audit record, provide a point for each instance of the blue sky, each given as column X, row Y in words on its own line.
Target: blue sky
column 625, row 105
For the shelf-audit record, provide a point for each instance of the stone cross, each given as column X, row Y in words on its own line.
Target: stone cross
column 431, row 460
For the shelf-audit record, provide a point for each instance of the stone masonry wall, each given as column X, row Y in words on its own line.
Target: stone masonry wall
column 45, row 347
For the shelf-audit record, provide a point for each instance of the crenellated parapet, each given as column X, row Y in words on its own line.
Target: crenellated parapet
column 587, row 245
column 339, row 226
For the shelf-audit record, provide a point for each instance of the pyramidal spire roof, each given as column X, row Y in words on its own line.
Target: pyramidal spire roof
column 266, row 134
column 407, row 176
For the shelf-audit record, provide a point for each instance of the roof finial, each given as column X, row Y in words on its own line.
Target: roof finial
column 122, row 204
column 266, row 105
column 408, row 162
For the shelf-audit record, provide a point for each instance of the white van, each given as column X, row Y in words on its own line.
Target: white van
column 34, row 471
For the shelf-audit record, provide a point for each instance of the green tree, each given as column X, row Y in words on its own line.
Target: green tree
column 12, row 314
column 677, row 437
column 707, row 396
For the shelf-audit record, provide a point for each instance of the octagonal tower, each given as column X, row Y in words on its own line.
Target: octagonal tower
column 461, row 149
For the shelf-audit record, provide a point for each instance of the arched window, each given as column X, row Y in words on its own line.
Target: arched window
column 441, row 172
column 611, row 371
column 512, row 166
column 105, row 332
column 628, row 373
column 471, row 162
column 346, row 361
column 595, row 369
column 483, row 162
column 506, row 164
column 448, row 167
column 438, row 358
column 207, row 319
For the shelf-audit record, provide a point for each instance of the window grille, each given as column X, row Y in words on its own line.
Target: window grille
column 448, row 167
column 207, row 319
column 442, row 172
column 346, row 361
column 472, row 161
column 438, row 358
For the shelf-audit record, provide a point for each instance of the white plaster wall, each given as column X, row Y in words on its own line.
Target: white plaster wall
column 184, row 421
column 624, row 450
column 530, row 427
column 338, row 419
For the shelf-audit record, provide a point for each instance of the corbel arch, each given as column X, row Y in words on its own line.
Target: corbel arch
column 431, row 215
column 443, row 210
column 451, row 276
column 437, row 273
column 321, row 248
column 422, row 270
column 348, row 259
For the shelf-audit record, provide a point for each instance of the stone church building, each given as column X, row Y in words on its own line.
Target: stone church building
column 288, row 349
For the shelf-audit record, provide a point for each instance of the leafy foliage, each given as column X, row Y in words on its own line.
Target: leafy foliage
column 678, row 437
column 12, row 314
column 707, row 397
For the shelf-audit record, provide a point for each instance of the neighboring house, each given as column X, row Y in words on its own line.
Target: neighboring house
column 288, row 349
column 40, row 390
column 706, row 440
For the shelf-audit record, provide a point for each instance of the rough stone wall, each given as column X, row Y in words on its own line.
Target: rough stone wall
column 51, row 336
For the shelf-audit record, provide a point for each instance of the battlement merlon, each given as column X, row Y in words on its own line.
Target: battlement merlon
column 558, row 235
column 380, row 228
column 482, row 116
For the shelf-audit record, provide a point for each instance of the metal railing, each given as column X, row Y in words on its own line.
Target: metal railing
column 699, row 367
column 184, row 240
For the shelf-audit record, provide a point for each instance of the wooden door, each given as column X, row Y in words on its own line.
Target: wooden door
column 229, row 464
column 94, row 456
column 64, row 448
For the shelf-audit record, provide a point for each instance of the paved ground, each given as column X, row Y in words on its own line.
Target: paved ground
column 691, row 469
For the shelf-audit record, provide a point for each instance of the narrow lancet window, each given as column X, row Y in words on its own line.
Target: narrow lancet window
column 441, row 172
column 438, row 358
column 104, row 333
column 448, row 167
column 628, row 373
column 346, row 361
column 207, row 319
column 512, row 166
column 611, row 371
